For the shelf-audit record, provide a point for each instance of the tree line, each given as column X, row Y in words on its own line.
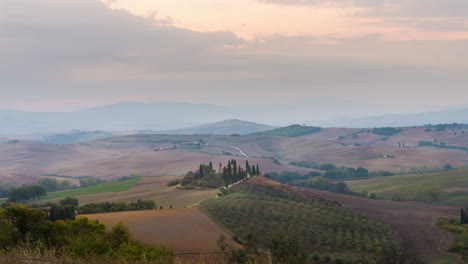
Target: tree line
column 104, row 207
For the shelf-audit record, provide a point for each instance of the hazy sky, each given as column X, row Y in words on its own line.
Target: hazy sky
column 70, row 54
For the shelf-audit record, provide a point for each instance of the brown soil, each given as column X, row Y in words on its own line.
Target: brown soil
column 184, row 230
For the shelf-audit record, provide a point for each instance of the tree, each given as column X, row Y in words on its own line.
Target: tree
column 24, row 220
column 285, row 249
column 221, row 242
column 70, row 201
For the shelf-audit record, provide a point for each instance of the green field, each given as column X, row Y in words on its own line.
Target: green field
column 108, row 187
column 453, row 186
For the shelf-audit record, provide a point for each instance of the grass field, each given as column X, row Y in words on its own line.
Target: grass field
column 453, row 185
column 147, row 188
column 108, row 187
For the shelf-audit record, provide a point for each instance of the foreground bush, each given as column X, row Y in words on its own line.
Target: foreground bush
column 25, row 233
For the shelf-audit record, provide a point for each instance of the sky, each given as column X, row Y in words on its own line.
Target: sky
column 64, row 55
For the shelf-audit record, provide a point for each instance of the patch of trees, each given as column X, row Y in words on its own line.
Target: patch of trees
column 417, row 193
column 207, row 176
column 78, row 240
column 105, row 207
column 386, row 131
column 311, row 180
column 346, row 173
column 90, row 181
column 174, row 182
column 463, row 217
column 24, row 193
column 53, row 184
column 4, row 189
column 313, row 165
column 441, row 145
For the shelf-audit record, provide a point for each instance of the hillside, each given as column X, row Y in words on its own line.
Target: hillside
column 146, row 188
column 289, row 131
column 414, row 223
column 261, row 207
column 76, row 136
column 226, row 127
column 453, row 187
column 156, row 155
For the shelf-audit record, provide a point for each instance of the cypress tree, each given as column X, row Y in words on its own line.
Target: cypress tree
column 462, row 217
column 201, row 171
column 258, row 170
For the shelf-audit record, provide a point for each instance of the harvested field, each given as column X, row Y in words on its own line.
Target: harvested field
column 184, row 230
column 413, row 222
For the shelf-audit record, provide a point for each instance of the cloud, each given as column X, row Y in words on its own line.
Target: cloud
column 76, row 50
column 405, row 8
column 48, row 38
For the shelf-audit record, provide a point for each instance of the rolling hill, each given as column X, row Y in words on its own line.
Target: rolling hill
column 226, row 127
column 289, row 131
column 453, row 186
column 157, row 155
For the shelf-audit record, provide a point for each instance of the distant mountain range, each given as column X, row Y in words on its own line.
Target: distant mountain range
column 177, row 117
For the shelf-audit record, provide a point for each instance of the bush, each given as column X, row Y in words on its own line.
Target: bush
column 386, row 131
column 174, row 182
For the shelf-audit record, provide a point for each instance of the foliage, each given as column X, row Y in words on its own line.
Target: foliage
column 441, row 145
column 460, row 242
column 174, row 182
column 105, row 207
column 25, row 193
column 311, row 180
column 4, row 189
column 286, row 249
column 289, row 131
column 90, row 181
column 313, row 165
column 79, row 238
column 346, row 173
column 206, row 176
column 316, row 224
column 70, row 201
column 53, row 184
column 386, row 131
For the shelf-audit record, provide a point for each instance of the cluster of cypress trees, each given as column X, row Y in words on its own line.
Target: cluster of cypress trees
column 463, row 217
column 233, row 173
column 206, row 176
